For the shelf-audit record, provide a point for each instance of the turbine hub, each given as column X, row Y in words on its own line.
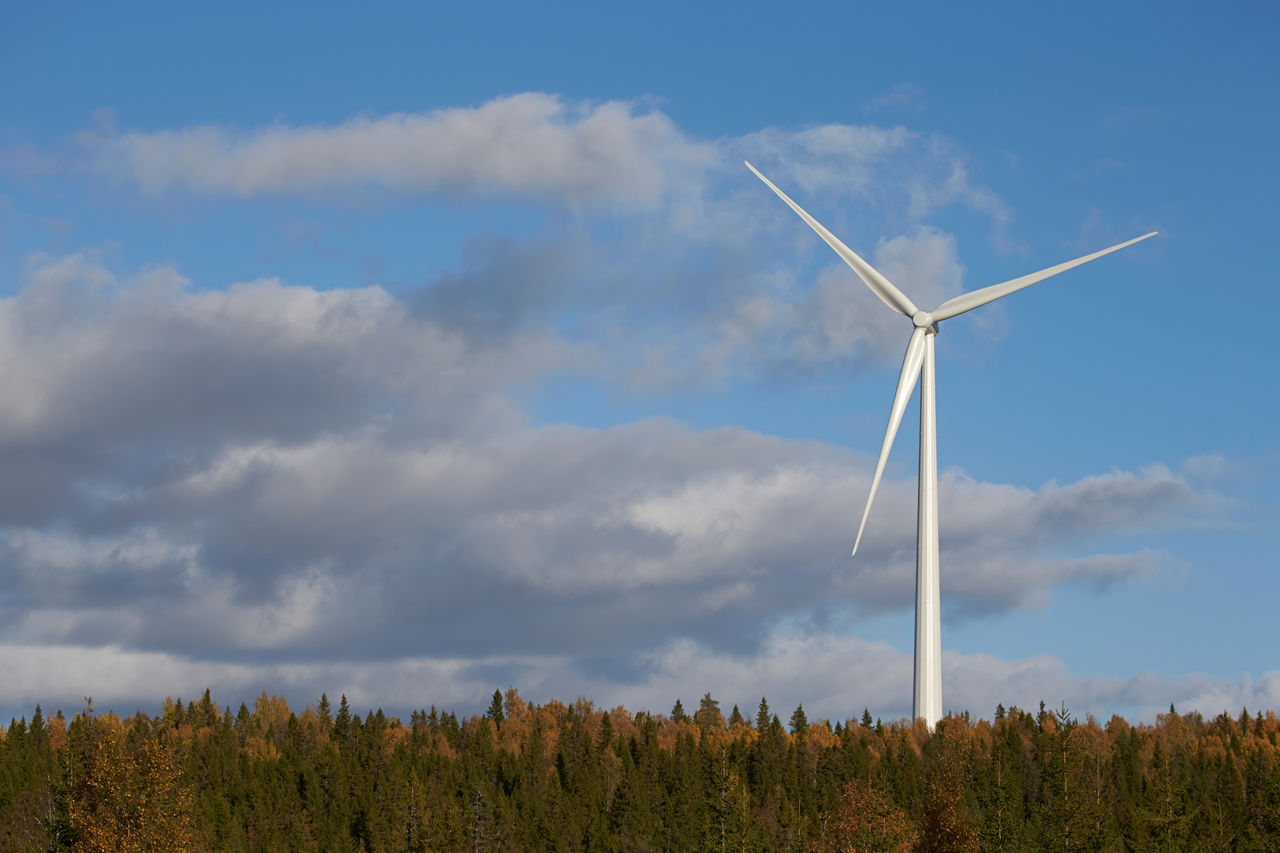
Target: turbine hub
column 922, row 319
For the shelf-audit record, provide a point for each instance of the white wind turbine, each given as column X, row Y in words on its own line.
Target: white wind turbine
column 927, row 695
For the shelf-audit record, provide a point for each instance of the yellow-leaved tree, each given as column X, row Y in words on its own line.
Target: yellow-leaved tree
column 130, row 796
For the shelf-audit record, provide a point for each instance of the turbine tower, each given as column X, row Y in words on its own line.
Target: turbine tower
column 918, row 364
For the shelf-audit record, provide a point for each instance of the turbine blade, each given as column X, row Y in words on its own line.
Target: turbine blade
column 880, row 286
column 906, row 384
column 976, row 299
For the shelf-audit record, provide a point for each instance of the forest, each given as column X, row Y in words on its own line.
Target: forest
column 574, row 777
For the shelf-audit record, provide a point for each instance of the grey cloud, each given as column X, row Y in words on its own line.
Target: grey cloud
column 776, row 329
column 1102, row 501
column 1004, row 545
column 98, row 372
column 351, row 481
column 1064, row 513
column 505, row 287
column 534, row 540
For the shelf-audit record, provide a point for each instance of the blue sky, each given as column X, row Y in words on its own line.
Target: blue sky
column 410, row 353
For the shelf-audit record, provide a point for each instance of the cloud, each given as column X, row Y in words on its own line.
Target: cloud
column 839, row 321
column 87, row 355
column 333, row 488
column 526, row 144
column 661, row 225
column 281, row 474
column 901, row 96
column 835, row 676
column 834, row 160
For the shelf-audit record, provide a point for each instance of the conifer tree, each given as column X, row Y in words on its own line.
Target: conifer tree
column 342, row 724
column 495, row 708
column 799, row 724
column 1062, row 796
column 605, row 738
column 326, row 712
column 708, row 715
column 574, row 777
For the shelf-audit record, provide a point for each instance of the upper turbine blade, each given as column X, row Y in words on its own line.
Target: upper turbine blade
column 881, row 286
column 906, row 384
column 976, row 299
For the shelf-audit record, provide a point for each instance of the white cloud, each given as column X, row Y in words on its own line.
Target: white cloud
column 901, row 96
column 530, row 143
column 834, row 676
column 835, row 159
column 701, row 242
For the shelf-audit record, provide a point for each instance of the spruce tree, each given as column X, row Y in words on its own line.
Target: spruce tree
column 799, row 724
column 605, row 736
column 708, row 715
column 342, row 723
column 495, row 708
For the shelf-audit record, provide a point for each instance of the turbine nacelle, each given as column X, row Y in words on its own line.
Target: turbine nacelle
column 918, row 362
column 925, row 322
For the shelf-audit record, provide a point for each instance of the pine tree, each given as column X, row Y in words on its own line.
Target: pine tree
column 677, row 712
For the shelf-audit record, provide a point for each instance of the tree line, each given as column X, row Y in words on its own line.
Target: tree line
column 574, row 777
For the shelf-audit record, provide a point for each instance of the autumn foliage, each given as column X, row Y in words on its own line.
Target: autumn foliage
column 558, row 776
column 130, row 795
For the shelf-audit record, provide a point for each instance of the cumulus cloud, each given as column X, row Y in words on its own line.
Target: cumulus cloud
column 269, row 484
column 272, row 471
column 526, row 144
column 667, row 225
column 83, row 355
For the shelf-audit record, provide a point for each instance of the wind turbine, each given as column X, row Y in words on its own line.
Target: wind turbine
column 918, row 363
